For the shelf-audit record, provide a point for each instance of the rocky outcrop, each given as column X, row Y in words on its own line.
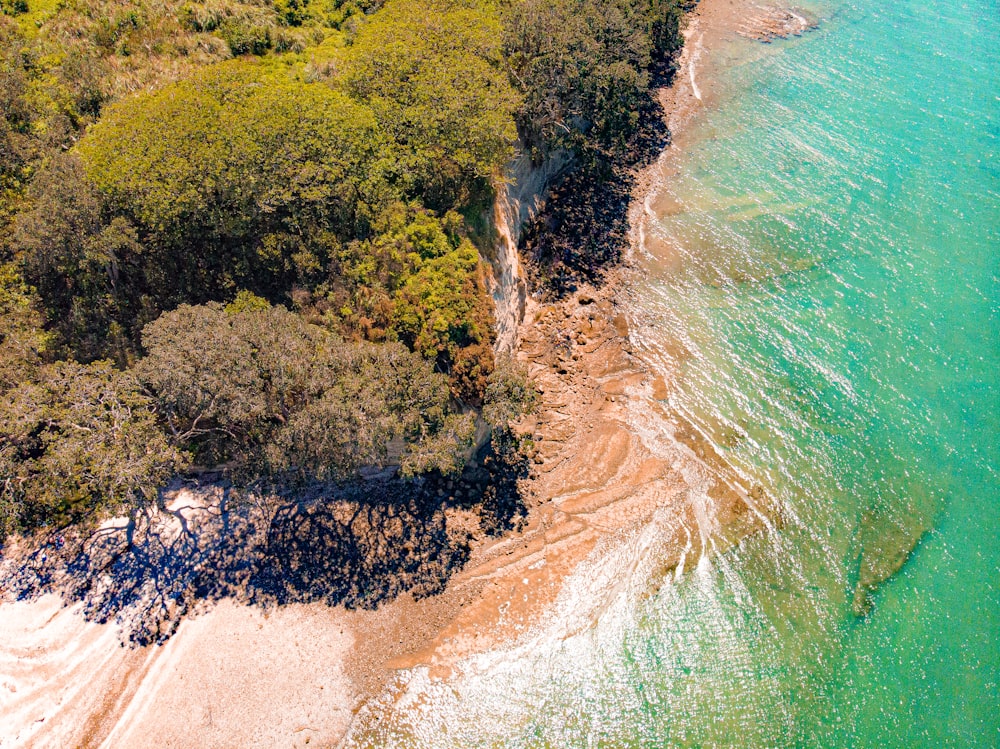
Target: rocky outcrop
column 519, row 199
column 767, row 24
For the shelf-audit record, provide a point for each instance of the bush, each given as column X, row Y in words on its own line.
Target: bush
column 444, row 313
column 245, row 38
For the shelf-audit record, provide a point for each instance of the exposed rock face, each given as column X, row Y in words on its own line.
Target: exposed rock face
column 767, row 24
column 518, row 201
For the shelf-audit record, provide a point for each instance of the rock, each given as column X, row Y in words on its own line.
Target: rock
column 887, row 544
column 660, row 392
column 769, row 24
column 621, row 325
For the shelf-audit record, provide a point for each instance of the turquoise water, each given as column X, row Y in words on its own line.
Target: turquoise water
column 825, row 300
column 835, row 290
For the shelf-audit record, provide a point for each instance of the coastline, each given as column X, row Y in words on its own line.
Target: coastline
column 594, row 479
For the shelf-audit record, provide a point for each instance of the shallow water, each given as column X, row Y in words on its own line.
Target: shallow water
column 824, row 292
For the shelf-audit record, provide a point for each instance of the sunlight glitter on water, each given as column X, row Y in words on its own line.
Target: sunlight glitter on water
column 822, row 295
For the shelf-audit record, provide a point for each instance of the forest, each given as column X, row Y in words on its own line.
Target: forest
column 247, row 236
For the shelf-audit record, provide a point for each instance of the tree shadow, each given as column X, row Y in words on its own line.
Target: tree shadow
column 357, row 545
column 583, row 229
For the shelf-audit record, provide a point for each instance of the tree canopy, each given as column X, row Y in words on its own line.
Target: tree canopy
column 277, row 396
column 80, row 442
column 433, row 74
column 247, row 233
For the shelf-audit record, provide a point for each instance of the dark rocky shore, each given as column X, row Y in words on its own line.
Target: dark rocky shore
column 582, row 232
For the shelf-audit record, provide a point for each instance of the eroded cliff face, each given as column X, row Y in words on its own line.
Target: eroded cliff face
column 519, row 199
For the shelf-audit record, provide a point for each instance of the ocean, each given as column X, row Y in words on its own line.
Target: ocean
column 823, row 297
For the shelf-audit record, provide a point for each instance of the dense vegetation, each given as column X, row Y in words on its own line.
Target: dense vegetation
column 244, row 234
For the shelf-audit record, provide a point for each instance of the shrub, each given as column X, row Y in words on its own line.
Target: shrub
column 443, row 312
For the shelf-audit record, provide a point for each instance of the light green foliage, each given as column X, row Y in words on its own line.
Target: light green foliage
column 77, row 262
column 246, row 301
column 233, row 179
column 62, row 61
column 433, row 74
column 239, row 146
column 443, row 312
column 357, row 299
column 280, row 397
column 81, row 442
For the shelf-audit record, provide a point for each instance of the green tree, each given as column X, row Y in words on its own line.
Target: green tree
column 510, row 393
column 582, row 65
column 433, row 74
column 443, row 312
column 279, row 397
column 230, row 180
column 81, row 443
column 23, row 343
column 82, row 266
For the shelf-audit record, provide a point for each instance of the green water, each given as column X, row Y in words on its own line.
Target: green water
column 827, row 309
column 837, row 294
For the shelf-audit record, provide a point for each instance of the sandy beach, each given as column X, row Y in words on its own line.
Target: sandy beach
column 238, row 675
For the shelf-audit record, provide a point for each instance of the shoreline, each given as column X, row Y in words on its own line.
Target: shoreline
column 594, row 479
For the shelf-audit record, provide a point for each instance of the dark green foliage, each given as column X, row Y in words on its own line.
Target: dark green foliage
column 81, row 266
column 23, row 343
column 339, row 13
column 510, row 393
column 252, row 185
column 582, row 66
column 13, row 7
column 244, row 38
column 80, row 443
column 18, row 143
column 292, row 12
column 277, row 397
